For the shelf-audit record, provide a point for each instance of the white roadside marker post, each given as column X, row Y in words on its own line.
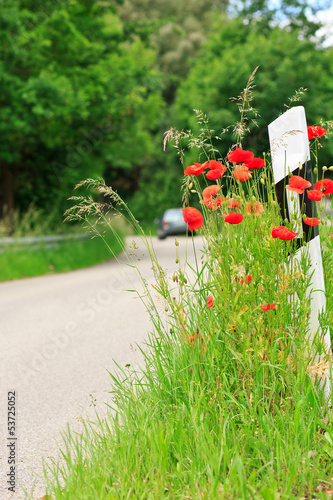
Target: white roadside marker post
column 289, row 149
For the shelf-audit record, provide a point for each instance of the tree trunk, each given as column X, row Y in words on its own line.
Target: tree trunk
column 7, row 204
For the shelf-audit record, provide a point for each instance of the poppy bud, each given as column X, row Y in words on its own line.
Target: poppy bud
column 176, row 242
column 324, row 169
column 315, row 170
column 177, row 261
column 193, row 191
column 330, row 168
column 190, row 185
column 300, row 166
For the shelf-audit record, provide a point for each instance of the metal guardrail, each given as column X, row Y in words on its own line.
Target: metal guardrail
column 36, row 241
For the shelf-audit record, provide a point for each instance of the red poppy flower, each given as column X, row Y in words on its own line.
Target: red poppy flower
column 192, row 338
column 246, row 281
column 233, row 218
column 331, row 236
column 208, row 199
column 212, row 175
column 314, row 194
column 298, row 184
column 210, row 191
column 254, row 208
column 242, row 173
column 267, row 307
column 195, row 169
column 311, row 221
column 210, row 301
column 316, row 131
column 216, row 170
column 283, row 233
column 212, row 203
column 256, row 163
column 193, row 218
column 233, row 203
column 325, row 186
column 240, row 156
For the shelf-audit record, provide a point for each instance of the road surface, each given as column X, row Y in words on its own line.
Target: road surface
column 59, row 335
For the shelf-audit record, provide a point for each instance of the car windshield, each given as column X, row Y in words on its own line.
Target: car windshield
column 173, row 214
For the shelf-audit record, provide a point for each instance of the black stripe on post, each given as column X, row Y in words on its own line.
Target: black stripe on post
column 308, row 206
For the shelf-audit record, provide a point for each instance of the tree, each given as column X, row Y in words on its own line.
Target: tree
column 295, row 14
column 176, row 29
column 74, row 95
column 285, row 62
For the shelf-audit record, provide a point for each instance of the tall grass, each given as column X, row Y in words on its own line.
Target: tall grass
column 230, row 400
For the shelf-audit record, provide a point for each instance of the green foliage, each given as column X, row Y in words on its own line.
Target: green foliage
column 158, row 188
column 176, row 29
column 75, row 95
column 285, row 62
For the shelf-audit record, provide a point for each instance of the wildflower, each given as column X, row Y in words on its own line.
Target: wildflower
column 210, row 301
column 311, row 221
column 213, row 203
column 231, row 327
column 193, row 218
column 233, row 218
column 325, row 186
column 331, row 236
column 192, row 338
column 208, row 199
column 283, row 233
column 315, row 194
column 240, row 156
column 298, row 184
column 210, row 191
column 267, row 307
column 254, row 208
column 256, row 163
column 216, row 170
column 316, row 131
column 246, row 281
column 242, row 173
column 195, row 169
column 233, row 203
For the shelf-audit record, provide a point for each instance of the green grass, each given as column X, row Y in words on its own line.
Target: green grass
column 235, row 416
column 16, row 263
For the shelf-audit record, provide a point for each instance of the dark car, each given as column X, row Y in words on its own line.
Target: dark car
column 171, row 223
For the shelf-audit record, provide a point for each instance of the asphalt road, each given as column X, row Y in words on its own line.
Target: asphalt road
column 59, row 336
